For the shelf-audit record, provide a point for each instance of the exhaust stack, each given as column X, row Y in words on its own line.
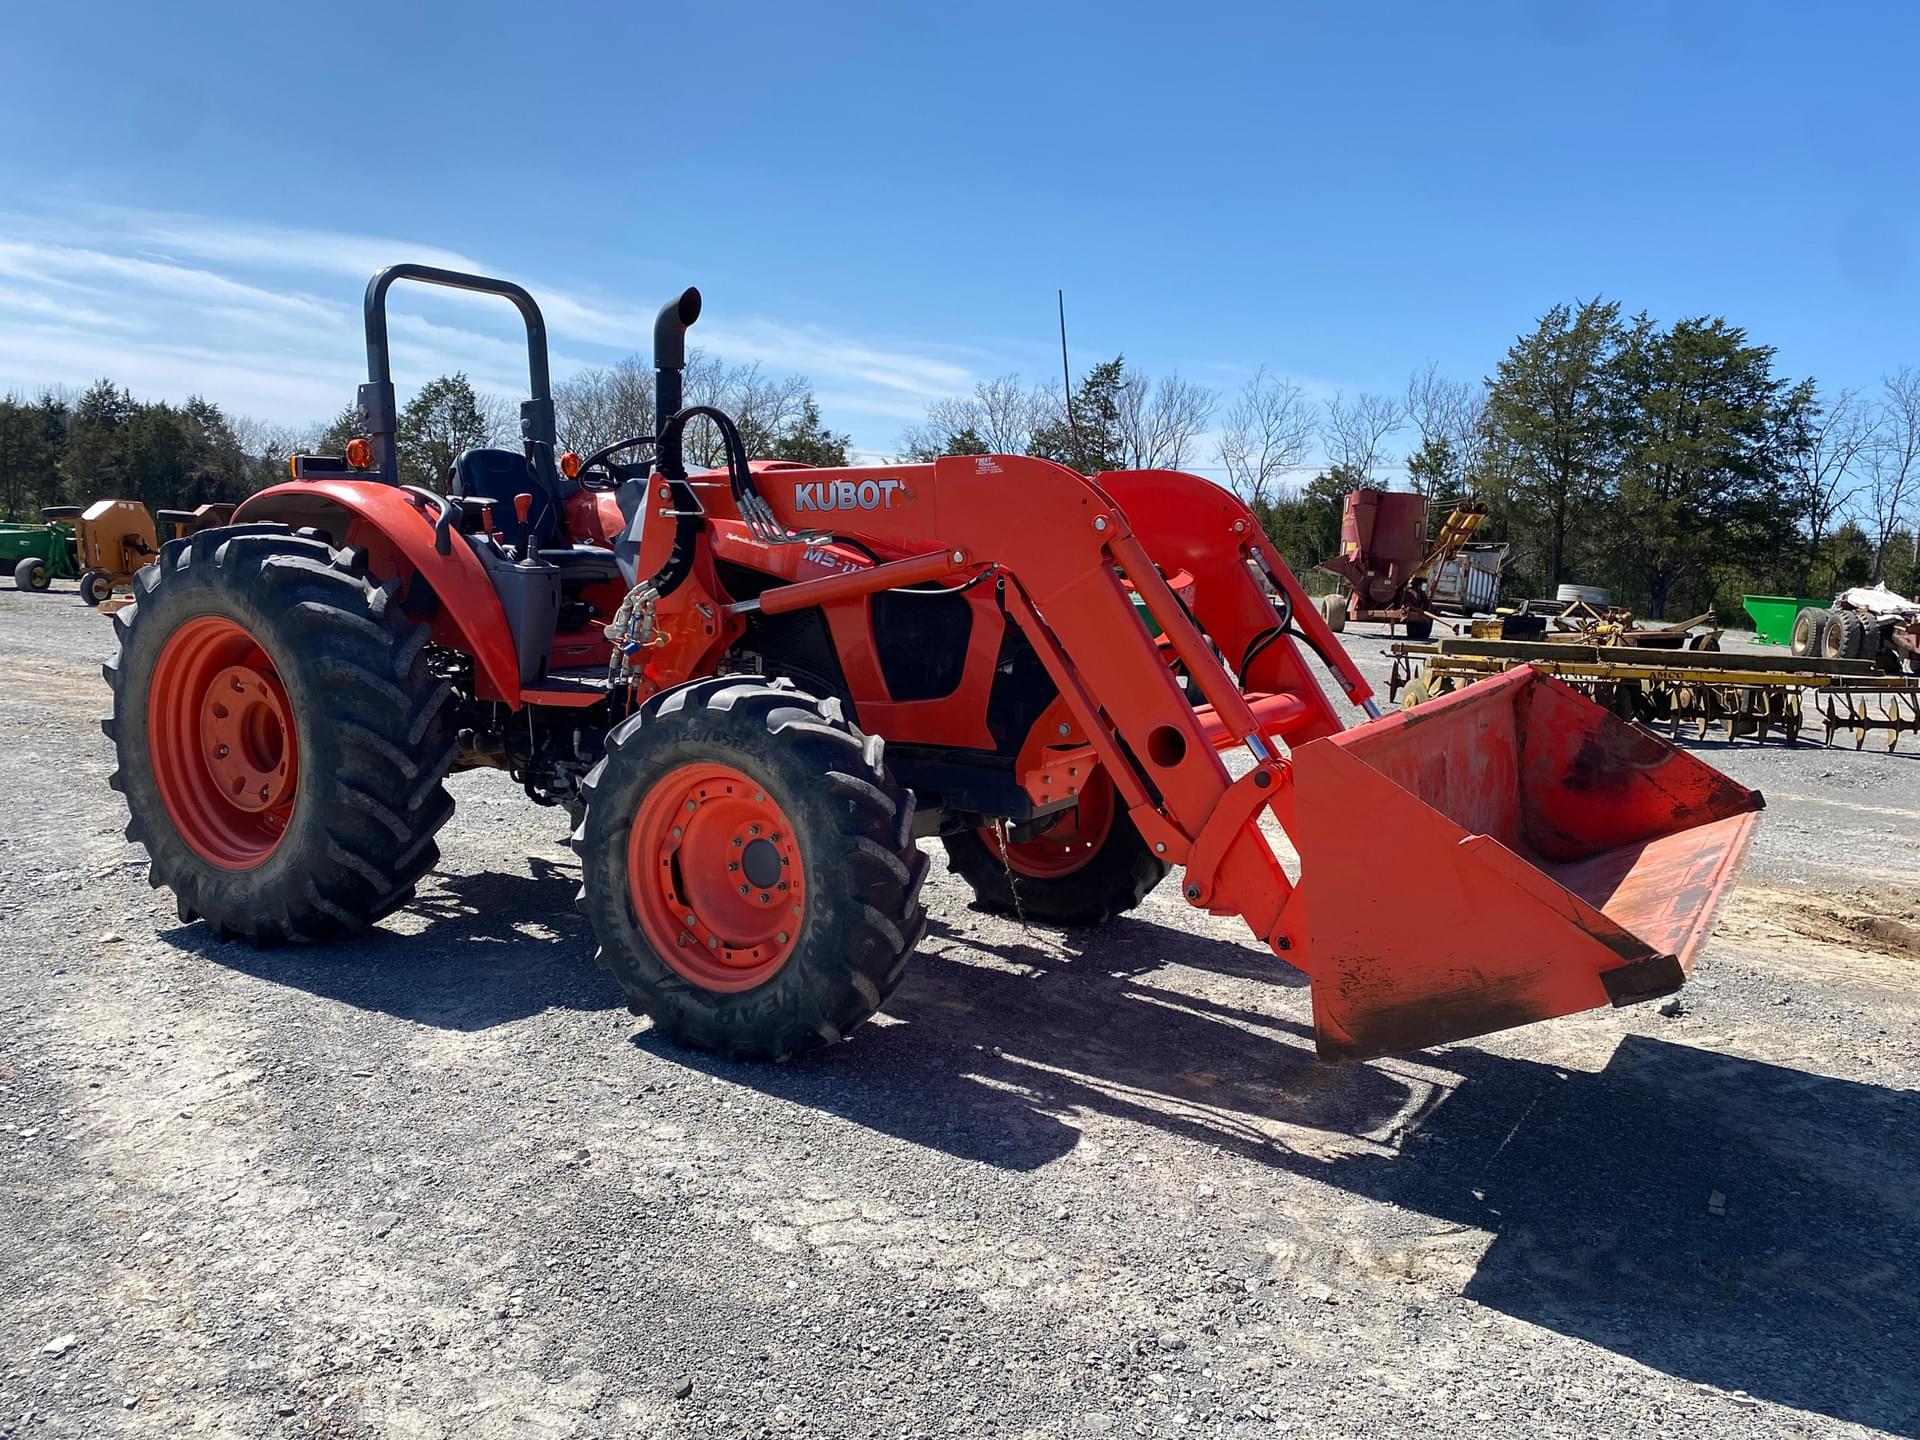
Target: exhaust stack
column 669, row 367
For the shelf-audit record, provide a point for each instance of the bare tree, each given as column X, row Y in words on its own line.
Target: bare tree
column 1005, row 414
column 267, row 440
column 1001, row 414
column 1893, row 459
column 502, row 415
column 1448, row 417
column 1269, row 430
column 1355, row 430
column 763, row 406
column 1826, row 475
column 1434, row 402
column 1469, row 434
column 1159, row 421
column 596, row 407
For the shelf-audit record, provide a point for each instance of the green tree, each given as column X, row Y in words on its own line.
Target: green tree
column 436, row 425
column 1552, row 423
column 343, row 427
column 159, row 452
column 1845, row 560
column 27, row 476
column 221, row 469
column 808, row 442
column 1708, row 438
column 1434, row 469
column 1088, row 436
column 1305, row 528
column 94, row 464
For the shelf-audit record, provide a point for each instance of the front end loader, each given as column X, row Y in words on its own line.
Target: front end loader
column 756, row 688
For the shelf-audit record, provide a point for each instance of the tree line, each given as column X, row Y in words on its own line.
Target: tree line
column 65, row 448
column 61, row 447
column 1672, row 464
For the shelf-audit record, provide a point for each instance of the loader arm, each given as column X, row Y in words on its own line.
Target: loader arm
column 1550, row 825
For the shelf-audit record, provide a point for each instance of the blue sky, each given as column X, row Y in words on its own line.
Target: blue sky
column 886, row 196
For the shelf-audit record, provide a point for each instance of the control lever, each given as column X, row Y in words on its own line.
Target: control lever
column 523, row 507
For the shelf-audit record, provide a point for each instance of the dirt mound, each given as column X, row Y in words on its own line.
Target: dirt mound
column 1879, row 923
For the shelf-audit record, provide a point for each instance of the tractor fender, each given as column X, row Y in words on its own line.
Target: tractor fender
column 397, row 534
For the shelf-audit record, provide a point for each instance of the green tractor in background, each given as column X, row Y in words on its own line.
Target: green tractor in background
column 37, row 555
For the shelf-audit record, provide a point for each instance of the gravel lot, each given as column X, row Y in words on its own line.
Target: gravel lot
column 438, row 1182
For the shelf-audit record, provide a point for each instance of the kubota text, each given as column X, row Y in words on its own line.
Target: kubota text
column 845, row 495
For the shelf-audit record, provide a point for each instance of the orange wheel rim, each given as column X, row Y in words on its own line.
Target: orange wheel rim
column 715, row 875
column 220, row 734
column 1069, row 843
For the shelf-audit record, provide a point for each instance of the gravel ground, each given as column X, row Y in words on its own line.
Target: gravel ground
column 438, row 1182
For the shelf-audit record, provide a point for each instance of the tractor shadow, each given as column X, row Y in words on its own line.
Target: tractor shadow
column 1795, row 1286
column 1595, row 1187
column 494, row 948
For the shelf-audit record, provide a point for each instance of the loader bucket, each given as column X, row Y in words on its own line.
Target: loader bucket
column 1504, row 854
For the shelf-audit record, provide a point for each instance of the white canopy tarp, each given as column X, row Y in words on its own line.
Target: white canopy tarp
column 1880, row 600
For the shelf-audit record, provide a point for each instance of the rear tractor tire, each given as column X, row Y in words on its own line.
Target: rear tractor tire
column 32, row 574
column 1840, row 637
column 748, row 868
column 1854, row 635
column 1809, row 630
column 1086, row 866
column 279, row 739
column 96, row 586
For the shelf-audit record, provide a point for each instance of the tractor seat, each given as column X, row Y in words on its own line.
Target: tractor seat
column 499, row 475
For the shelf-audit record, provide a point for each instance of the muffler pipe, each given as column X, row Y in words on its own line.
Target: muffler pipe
column 669, row 367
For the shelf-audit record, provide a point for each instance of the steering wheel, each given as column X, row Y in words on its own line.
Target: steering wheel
column 615, row 472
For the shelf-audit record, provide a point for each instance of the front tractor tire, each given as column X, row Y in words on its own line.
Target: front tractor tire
column 280, row 741
column 1086, row 866
column 748, row 868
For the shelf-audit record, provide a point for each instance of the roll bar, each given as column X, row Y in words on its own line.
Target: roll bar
column 379, row 416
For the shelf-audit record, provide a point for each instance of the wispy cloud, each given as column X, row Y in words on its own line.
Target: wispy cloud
column 44, row 306
column 266, row 319
column 100, row 272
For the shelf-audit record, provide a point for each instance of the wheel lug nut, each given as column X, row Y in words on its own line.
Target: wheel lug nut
column 743, row 889
column 781, row 937
column 222, row 752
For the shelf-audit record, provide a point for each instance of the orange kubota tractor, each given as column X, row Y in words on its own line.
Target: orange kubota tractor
column 756, row 686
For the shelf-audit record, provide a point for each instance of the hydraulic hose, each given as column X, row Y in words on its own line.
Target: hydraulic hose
column 739, row 477
column 688, row 520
